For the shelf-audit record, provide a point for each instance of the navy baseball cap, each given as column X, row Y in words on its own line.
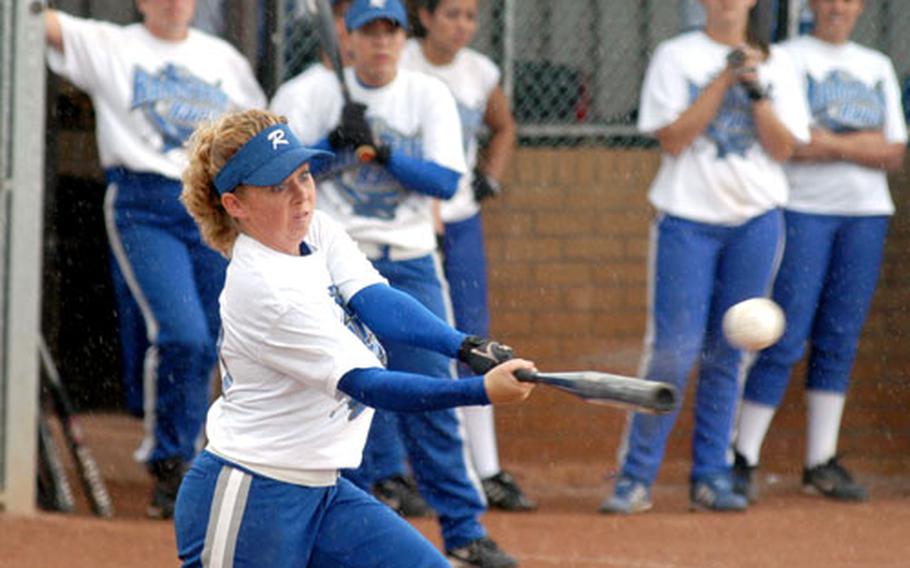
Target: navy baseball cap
column 363, row 12
column 266, row 159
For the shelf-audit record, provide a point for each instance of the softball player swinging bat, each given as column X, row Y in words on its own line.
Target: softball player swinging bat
column 301, row 371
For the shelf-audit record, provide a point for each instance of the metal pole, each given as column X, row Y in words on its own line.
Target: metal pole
column 508, row 49
column 22, row 281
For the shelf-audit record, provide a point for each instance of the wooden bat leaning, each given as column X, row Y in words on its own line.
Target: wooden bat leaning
column 325, row 23
column 86, row 467
column 614, row 390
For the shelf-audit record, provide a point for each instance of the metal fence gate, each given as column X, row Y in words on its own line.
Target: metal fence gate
column 21, row 188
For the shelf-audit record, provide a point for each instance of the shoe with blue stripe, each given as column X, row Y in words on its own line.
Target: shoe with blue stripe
column 715, row 493
column 630, row 496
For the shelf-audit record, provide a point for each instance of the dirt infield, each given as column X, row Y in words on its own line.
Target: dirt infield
column 785, row 529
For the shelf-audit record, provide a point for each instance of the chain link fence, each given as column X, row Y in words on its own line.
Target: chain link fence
column 573, row 69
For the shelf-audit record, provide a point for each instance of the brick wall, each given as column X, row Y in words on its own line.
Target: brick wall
column 567, row 246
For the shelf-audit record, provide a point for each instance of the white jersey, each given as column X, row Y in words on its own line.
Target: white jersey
column 471, row 78
column 414, row 114
column 849, row 88
column 149, row 94
column 285, row 345
column 724, row 176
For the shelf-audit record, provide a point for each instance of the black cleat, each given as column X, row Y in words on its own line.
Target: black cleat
column 832, row 480
column 400, row 493
column 168, row 474
column 482, row 552
column 744, row 478
column 503, row 493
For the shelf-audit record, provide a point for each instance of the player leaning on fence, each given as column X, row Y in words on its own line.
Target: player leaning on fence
column 301, row 373
column 726, row 111
column 150, row 84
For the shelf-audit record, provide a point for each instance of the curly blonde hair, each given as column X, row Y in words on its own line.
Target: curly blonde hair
column 209, row 149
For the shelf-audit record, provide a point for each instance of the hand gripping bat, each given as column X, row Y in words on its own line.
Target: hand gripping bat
column 325, row 23
column 653, row 397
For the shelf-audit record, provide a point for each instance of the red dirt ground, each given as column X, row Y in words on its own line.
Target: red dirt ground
column 785, row 529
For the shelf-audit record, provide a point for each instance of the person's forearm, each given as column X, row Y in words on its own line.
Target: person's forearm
column 52, row 30
column 498, row 153
column 680, row 134
column 777, row 141
column 396, row 316
column 867, row 148
column 408, row 392
column 423, row 176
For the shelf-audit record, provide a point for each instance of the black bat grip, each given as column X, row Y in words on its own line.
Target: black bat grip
column 525, row 376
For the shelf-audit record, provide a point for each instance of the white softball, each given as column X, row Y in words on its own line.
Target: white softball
column 754, row 324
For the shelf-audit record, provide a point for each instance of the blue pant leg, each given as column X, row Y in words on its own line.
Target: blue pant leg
column 359, row 532
column 797, row 289
column 383, row 455
column 133, row 341
column 149, row 241
column 683, row 257
column 434, row 440
column 745, row 270
column 466, row 273
column 852, row 279
column 227, row 516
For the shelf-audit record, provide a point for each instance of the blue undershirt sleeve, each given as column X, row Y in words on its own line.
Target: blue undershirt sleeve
column 422, row 176
column 409, row 392
column 395, row 315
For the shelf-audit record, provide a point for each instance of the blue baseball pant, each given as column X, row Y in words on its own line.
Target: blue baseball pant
column 175, row 279
column 133, row 341
column 432, row 440
column 825, row 286
column 229, row 516
column 697, row 272
column 466, row 272
column 465, row 267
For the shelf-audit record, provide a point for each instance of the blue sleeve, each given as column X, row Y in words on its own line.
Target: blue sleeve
column 392, row 314
column 423, row 176
column 408, row 392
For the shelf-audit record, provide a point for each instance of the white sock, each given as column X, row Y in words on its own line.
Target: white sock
column 754, row 421
column 825, row 409
column 481, row 434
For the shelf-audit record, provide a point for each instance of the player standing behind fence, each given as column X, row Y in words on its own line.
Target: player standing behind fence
column 150, row 84
column 726, row 113
column 300, row 372
column 836, row 219
column 445, row 29
column 385, row 207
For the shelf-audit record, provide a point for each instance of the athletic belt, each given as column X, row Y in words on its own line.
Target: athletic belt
column 305, row 477
column 376, row 251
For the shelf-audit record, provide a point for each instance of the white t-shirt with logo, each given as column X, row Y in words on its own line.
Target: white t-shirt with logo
column 724, row 176
column 414, row 114
column 285, row 345
column 849, row 88
column 149, row 94
column 471, row 78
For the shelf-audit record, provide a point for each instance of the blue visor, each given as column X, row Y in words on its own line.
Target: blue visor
column 363, row 12
column 266, row 159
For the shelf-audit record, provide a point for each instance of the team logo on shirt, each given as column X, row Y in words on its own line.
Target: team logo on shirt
column 365, row 335
column 174, row 101
column 370, row 189
column 471, row 123
column 842, row 103
column 732, row 130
